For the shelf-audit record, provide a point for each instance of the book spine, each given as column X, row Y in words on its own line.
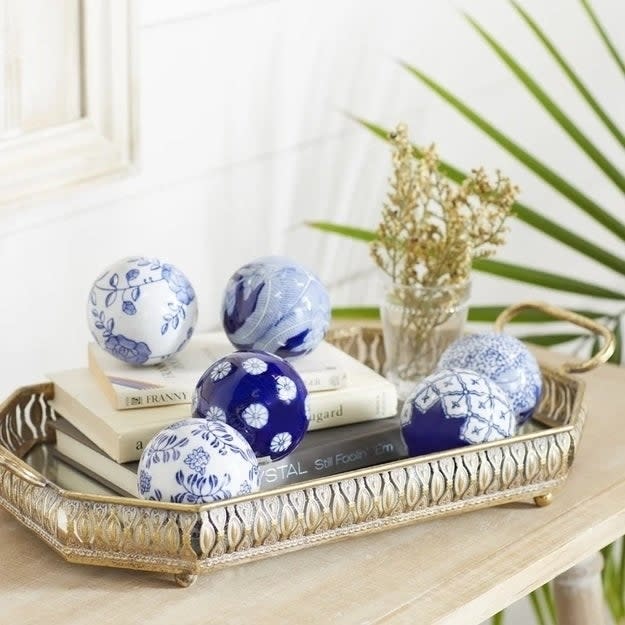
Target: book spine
column 352, row 405
column 376, row 448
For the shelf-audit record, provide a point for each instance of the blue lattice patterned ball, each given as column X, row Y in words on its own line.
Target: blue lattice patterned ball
column 142, row 310
column 453, row 408
column 505, row 360
column 261, row 396
column 197, row 461
column 274, row 304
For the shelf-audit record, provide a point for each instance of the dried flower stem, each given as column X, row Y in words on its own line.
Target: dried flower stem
column 429, row 233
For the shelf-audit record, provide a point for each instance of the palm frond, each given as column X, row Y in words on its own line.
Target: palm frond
column 548, row 175
column 490, row 314
column 616, row 359
column 547, row 340
column 545, row 279
column 346, row 231
column 356, row 312
column 550, row 106
column 604, row 35
column 572, row 76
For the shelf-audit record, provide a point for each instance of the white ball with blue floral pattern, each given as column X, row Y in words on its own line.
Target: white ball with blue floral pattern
column 505, row 360
column 142, row 310
column 276, row 305
column 197, row 461
column 261, row 396
column 453, row 408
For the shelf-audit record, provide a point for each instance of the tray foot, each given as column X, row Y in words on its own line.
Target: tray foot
column 543, row 500
column 185, row 579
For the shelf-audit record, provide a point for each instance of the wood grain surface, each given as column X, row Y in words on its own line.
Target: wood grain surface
column 457, row 570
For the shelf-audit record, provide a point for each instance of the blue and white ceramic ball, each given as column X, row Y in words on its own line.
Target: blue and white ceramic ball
column 453, row 408
column 274, row 304
column 142, row 310
column 261, row 396
column 197, row 461
column 505, row 360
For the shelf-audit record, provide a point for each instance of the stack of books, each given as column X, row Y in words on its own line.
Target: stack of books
column 109, row 411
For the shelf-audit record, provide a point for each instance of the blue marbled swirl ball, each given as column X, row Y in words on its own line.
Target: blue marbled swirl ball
column 274, row 304
column 505, row 360
column 261, row 396
column 454, row 408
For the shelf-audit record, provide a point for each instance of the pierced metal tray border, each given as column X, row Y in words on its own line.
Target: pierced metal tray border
column 186, row 540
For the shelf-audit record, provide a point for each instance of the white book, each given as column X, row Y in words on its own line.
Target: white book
column 173, row 381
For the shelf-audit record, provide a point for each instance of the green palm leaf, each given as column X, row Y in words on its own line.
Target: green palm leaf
column 497, row 619
column 604, row 35
column 477, row 314
column 616, row 359
column 346, row 231
column 356, row 312
column 553, row 109
column 544, row 279
column 531, row 162
column 573, row 77
column 528, row 215
column 490, row 314
column 547, row 340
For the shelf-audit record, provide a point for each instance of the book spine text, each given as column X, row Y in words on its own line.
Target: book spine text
column 146, row 398
column 330, row 460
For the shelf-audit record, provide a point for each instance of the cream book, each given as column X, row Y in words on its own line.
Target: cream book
column 122, row 434
column 173, row 381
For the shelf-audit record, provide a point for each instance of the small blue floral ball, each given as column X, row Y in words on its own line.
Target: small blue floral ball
column 506, row 361
column 261, row 396
column 197, row 461
column 453, row 408
column 275, row 305
column 142, row 310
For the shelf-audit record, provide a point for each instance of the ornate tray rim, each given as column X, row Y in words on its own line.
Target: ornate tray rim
column 187, row 539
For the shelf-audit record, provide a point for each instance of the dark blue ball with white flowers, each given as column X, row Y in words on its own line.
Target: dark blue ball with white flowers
column 261, row 396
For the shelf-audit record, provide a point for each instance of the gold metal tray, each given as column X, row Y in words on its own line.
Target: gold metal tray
column 186, row 540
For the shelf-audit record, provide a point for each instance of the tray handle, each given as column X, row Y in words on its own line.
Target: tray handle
column 602, row 356
column 21, row 469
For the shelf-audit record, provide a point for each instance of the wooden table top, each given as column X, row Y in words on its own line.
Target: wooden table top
column 456, row 570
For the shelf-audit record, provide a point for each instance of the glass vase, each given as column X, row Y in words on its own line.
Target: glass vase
column 418, row 323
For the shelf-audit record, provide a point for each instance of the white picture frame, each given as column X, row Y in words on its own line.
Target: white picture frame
column 103, row 141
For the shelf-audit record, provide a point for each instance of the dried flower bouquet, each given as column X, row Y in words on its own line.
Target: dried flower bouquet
column 429, row 233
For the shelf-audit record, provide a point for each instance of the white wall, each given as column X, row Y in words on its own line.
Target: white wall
column 243, row 137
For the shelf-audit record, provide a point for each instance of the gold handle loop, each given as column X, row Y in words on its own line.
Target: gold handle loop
column 19, row 468
column 607, row 349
